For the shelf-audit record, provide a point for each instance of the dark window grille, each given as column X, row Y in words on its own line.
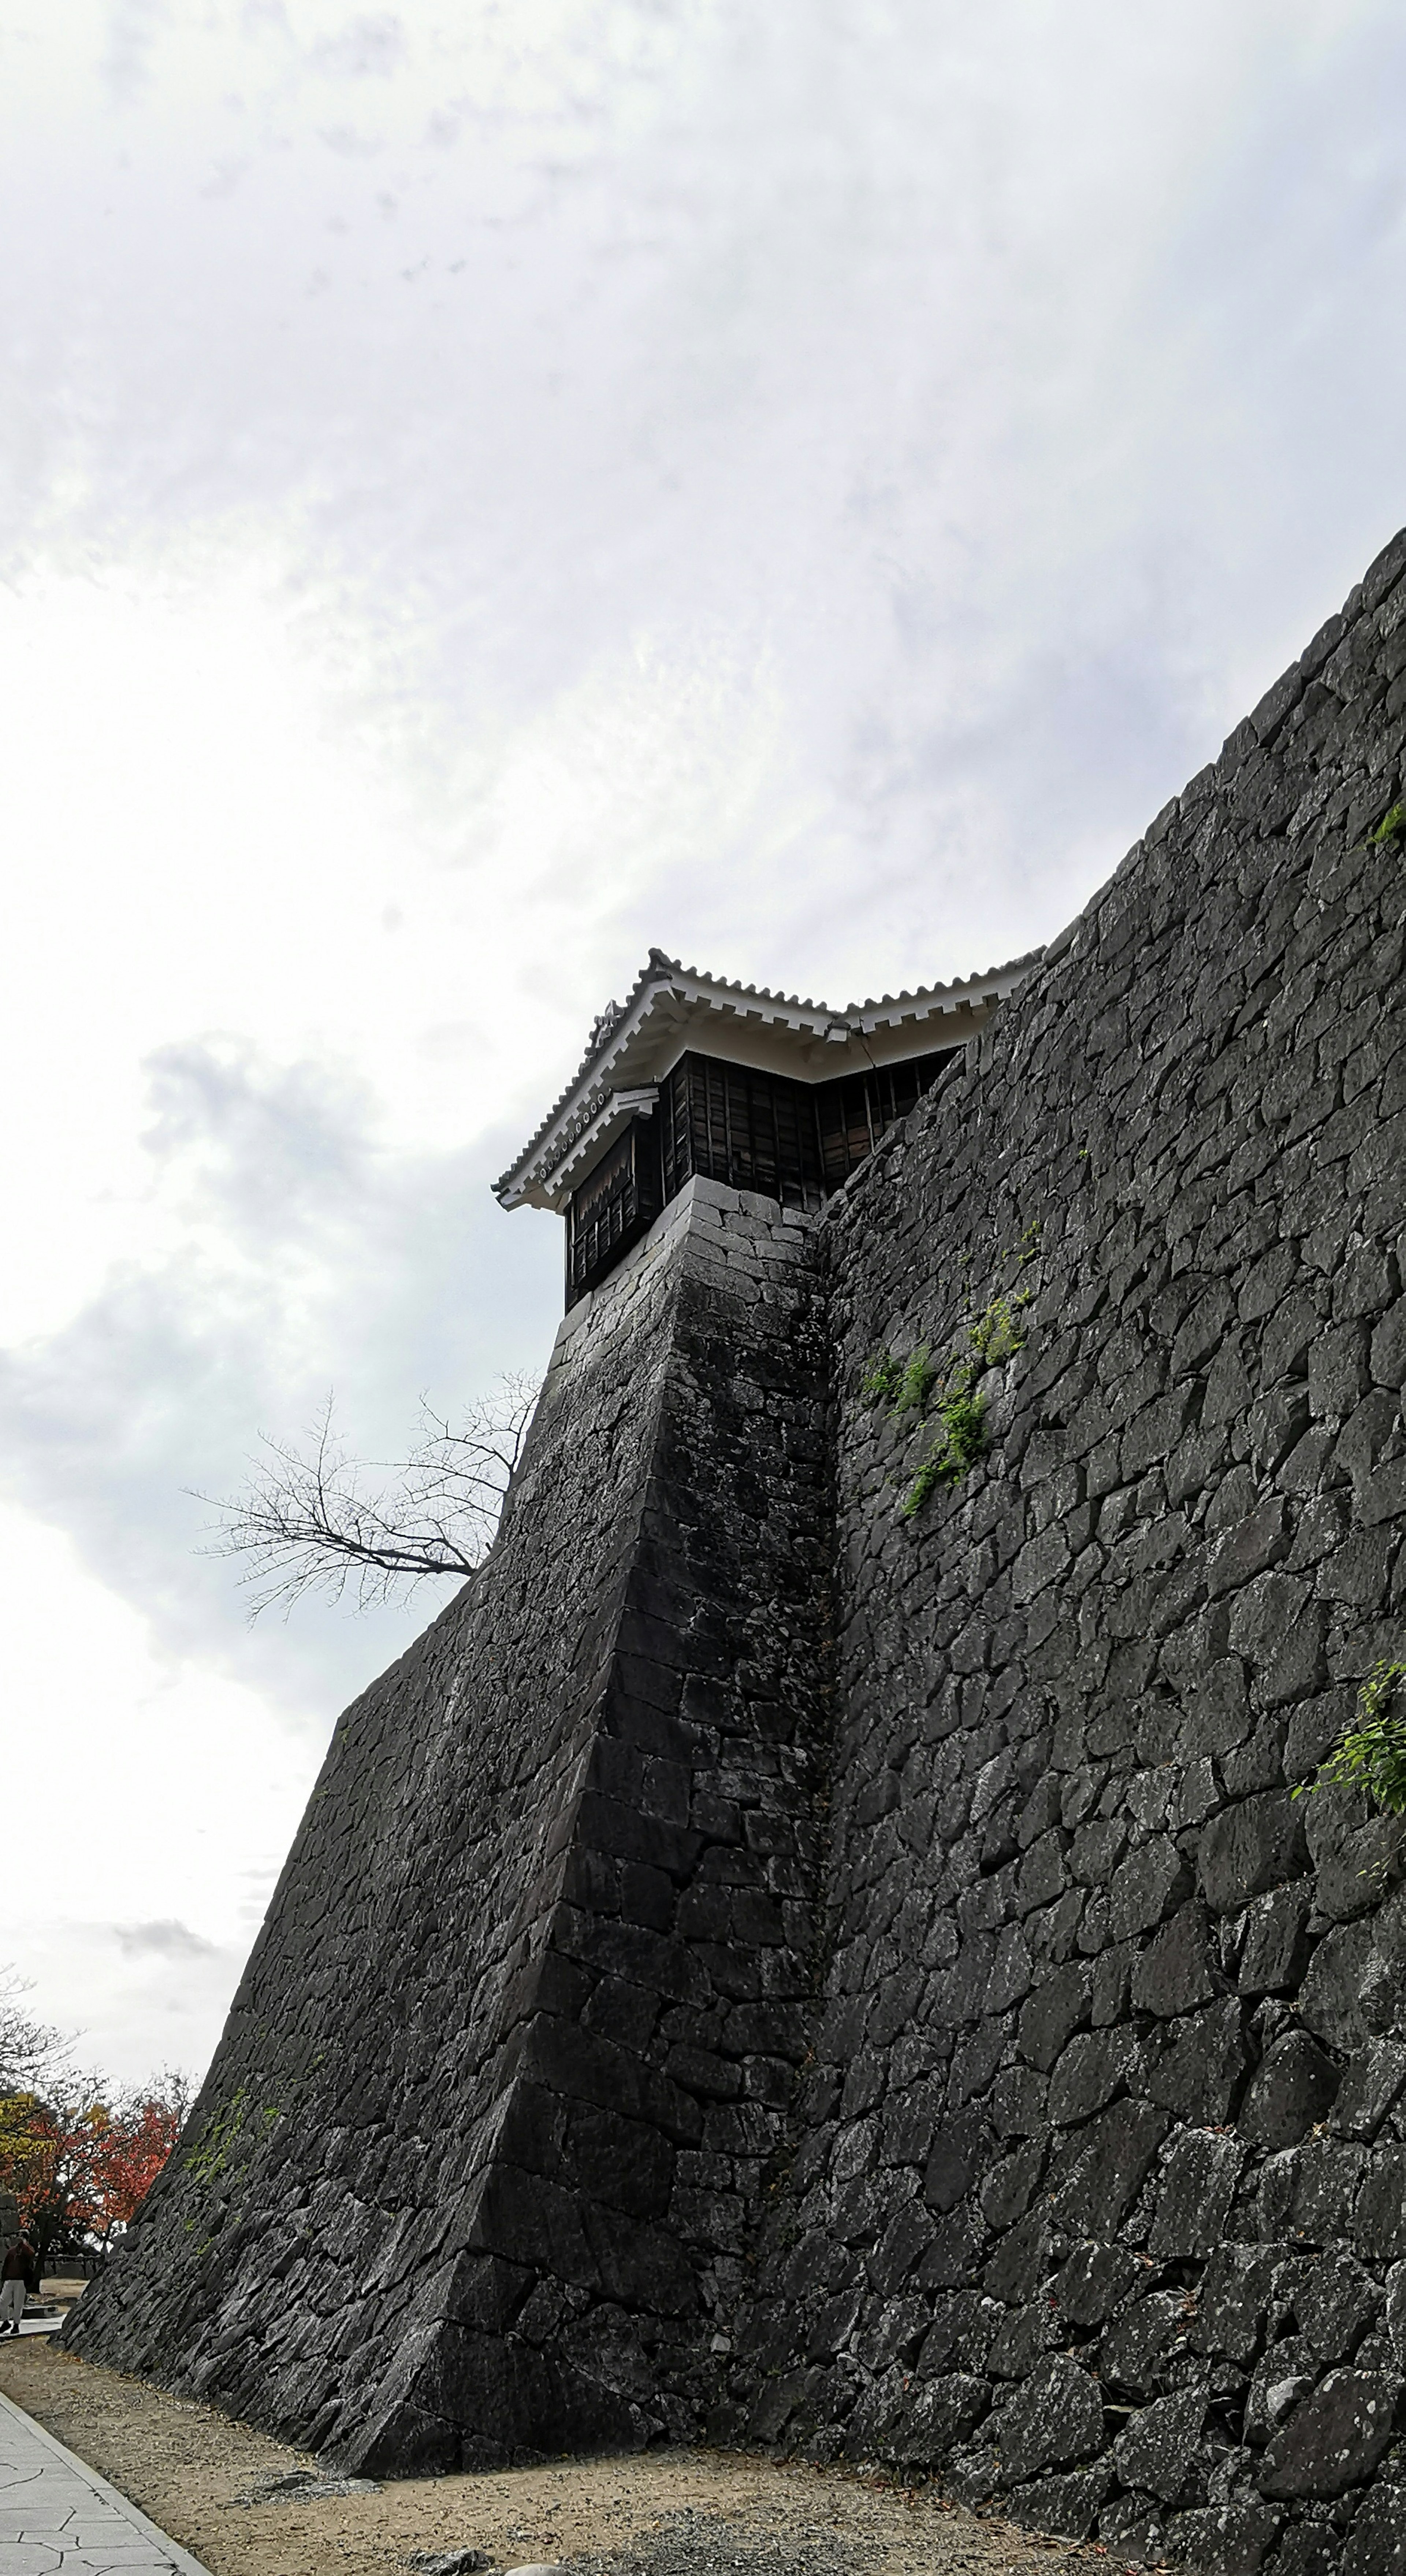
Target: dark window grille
column 612, row 1209
column 792, row 1141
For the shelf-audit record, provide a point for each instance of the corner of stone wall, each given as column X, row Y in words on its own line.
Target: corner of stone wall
column 1098, row 2187
column 472, row 2175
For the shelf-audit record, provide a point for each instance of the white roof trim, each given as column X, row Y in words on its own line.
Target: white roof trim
column 661, row 1018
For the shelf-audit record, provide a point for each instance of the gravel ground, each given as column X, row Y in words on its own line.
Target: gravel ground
column 248, row 2506
column 692, row 2543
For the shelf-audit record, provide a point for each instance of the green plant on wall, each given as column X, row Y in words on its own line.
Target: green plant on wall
column 942, row 1393
column 208, row 2160
column 1370, row 1754
column 883, row 1376
column 959, row 1443
column 1392, row 827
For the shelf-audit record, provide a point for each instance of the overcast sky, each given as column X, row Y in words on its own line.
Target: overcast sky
column 487, row 488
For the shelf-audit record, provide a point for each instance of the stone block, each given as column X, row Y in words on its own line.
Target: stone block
column 1173, row 1974
column 1105, row 2166
column 1011, row 2185
column 1066, row 2504
column 1291, row 2091
column 1376, row 2543
column 1146, row 1888
column 1139, row 2346
column 1330, row 1999
column 1283, row 2377
column 958, row 2156
column 1233, row 2301
column 1020, row 2261
column 1057, row 2006
column 939, row 2417
column 1056, row 2418
column 1335, row 2302
column 1224, row 2540
column 1275, row 1949
column 1253, row 1846
column 1095, row 2066
column 1094, row 2281
column 1027, row 2334
column 1334, row 2438
column 1200, row 2067
column 1372, row 2084
column 1199, row 2178
column 1155, row 2451
column 1379, row 2215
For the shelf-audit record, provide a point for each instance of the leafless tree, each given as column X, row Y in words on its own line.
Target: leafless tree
column 31, row 2054
column 309, row 1520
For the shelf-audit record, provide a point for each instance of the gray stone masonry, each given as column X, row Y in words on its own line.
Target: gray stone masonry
column 1097, row 2193
column 775, row 1966
column 472, row 2173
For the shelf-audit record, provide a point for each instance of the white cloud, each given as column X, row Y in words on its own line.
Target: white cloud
column 146, row 1780
column 481, row 492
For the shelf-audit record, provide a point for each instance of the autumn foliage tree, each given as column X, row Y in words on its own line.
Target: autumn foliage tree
column 80, row 2166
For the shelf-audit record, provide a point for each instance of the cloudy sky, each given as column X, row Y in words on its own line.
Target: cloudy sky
column 487, row 488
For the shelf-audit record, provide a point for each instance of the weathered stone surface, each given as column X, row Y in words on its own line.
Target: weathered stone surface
column 941, row 2416
column 1254, row 1845
column 1333, row 2438
column 1094, row 2281
column 1200, row 2069
column 1197, row 2189
column 1066, row 2504
column 1330, row 1998
column 1231, row 2539
column 1374, row 2081
column 1292, row 2090
column 1283, row 2377
column 1157, row 2449
column 1233, row 2301
column 1055, row 2418
column 1379, row 2214
column 807, row 1957
column 1173, row 1973
column 1142, row 2339
column 1276, row 1947
column 1335, row 2301
column 1095, row 2065
column 1376, row 2545
column 1107, row 2165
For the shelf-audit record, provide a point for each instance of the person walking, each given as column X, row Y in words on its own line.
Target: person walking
column 15, row 2273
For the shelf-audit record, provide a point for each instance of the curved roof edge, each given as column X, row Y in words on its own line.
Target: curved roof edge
column 634, row 1041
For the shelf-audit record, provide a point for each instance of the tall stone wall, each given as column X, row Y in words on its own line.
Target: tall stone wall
column 471, row 2174
column 774, row 1963
column 1099, row 2190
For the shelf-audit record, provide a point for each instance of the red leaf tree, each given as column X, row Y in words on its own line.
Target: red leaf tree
column 80, row 2166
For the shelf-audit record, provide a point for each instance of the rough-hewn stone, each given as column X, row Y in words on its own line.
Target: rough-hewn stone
column 768, row 1966
column 473, row 2171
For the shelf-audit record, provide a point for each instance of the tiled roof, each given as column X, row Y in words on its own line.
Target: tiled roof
column 619, row 1022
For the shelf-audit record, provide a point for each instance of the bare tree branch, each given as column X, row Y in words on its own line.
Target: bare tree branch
column 308, row 1521
column 30, row 2052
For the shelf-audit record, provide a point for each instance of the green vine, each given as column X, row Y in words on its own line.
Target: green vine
column 943, row 1392
column 1392, row 827
column 1371, row 1752
column 209, row 2157
column 209, row 2161
column 960, row 1442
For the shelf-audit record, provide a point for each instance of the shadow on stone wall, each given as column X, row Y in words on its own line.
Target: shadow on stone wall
column 1091, row 2194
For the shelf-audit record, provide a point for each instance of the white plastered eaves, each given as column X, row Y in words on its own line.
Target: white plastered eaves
column 672, row 1007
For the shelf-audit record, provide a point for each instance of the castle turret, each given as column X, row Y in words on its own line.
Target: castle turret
column 693, row 1078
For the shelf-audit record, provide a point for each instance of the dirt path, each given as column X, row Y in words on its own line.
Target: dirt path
column 659, row 2511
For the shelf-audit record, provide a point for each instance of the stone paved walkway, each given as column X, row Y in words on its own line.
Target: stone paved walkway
column 59, row 2518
